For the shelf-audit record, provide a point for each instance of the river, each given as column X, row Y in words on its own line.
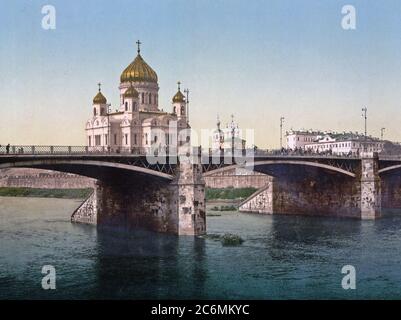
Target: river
column 283, row 257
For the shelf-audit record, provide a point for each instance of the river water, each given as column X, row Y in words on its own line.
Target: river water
column 283, row 257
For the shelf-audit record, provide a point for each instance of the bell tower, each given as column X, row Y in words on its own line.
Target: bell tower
column 179, row 104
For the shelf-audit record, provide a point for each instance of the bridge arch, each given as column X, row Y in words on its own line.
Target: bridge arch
column 79, row 167
column 390, row 168
column 282, row 162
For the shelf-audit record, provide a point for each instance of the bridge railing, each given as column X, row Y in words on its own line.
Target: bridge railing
column 77, row 150
column 63, row 150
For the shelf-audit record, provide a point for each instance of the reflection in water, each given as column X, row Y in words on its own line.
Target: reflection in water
column 283, row 257
column 145, row 265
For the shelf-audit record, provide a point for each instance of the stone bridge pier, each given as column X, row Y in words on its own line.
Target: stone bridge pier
column 313, row 191
column 173, row 206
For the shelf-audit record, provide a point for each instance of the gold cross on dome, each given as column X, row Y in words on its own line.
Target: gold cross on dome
column 139, row 46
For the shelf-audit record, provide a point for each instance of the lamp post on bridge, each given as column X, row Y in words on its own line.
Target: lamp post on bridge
column 382, row 133
column 365, row 116
column 186, row 91
column 281, row 132
column 108, row 128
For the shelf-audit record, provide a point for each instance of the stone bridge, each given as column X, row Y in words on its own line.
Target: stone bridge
column 135, row 190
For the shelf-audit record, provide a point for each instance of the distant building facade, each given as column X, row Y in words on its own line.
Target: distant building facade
column 332, row 142
column 297, row 139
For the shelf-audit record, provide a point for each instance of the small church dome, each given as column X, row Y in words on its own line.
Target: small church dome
column 99, row 99
column 179, row 97
column 131, row 93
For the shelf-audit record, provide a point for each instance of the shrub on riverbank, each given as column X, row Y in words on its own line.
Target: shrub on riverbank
column 45, row 193
column 224, row 208
column 229, row 193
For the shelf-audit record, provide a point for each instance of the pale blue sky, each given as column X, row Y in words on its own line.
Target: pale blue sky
column 256, row 59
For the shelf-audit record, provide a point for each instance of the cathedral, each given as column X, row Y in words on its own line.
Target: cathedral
column 138, row 125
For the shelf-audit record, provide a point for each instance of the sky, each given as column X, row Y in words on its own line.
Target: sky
column 256, row 59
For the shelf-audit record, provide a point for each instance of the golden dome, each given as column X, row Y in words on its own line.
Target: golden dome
column 138, row 71
column 99, row 99
column 179, row 97
column 131, row 93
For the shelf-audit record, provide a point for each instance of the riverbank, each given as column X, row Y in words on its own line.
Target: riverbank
column 228, row 194
column 45, row 193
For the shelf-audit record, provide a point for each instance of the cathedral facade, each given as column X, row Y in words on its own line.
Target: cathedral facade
column 138, row 125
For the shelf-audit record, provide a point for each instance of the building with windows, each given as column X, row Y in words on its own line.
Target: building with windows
column 138, row 125
column 332, row 142
column 345, row 144
column 297, row 139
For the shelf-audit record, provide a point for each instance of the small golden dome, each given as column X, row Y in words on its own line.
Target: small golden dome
column 179, row 97
column 131, row 93
column 138, row 71
column 99, row 99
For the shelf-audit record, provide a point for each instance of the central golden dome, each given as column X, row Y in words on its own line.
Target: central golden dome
column 138, row 71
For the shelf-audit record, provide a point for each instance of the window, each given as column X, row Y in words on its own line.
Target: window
column 155, row 139
column 126, row 106
column 182, row 110
column 146, row 138
column 143, row 98
column 135, row 141
column 126, row 139
column 115, row 139
column 134, row 107
column 106, row 138
column 94, row 111
column 97, row 140
column 150, row 98
column 174, row 111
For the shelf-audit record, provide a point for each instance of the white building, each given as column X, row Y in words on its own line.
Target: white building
column 138, row 124
column 332, row 142
column 345, row 144
column 297, row 139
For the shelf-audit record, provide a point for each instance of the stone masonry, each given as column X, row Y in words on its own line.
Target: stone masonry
column 176, row 207
column 322, row 194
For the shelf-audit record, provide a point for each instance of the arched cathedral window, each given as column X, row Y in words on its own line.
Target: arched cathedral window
column 126, row 106
column 94, row 111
